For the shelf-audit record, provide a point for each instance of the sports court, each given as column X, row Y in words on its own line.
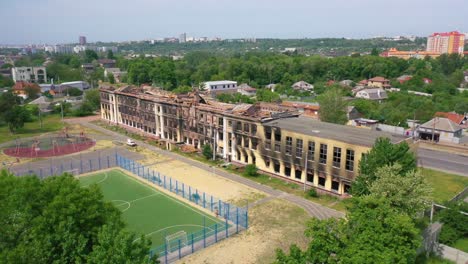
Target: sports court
column 150, row 211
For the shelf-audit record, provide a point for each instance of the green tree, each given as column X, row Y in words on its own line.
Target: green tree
column 182, row 89
column 111, row 78
column 373, row 232
column 207, row 151
column 32, row 91
column 110, row 54
column 73, row 91
column 265, row 95
column 57, row 221
column 374, row 52
column 90, row 55
column 332, row 107
column 8, row 100
column 408, row 193
column 93, row 97
column 16, row 117
column 382, row 153
column 455, row 223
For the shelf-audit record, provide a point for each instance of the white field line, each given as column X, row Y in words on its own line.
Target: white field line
column 162, row 229
column 175, row 200
column 98, row 182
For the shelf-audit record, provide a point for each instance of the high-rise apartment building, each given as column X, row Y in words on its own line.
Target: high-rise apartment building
column 447, row 42
column 183, row 38
column 82, row 40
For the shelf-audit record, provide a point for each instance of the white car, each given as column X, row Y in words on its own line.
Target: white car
column 131, row 143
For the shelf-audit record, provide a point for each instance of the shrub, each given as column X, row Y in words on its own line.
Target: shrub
column 207, row 152
column 251, row 170
column 312, row 192
column 448, row 235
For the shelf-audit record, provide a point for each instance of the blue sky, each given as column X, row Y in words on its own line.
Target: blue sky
column 62, row 21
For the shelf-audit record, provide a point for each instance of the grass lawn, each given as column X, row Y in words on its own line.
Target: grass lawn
column 148, row 211
column 445, row 185
column 461, row 244
column 50, row 123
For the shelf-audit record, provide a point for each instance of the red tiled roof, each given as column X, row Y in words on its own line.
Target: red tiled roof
column 454, row 117
column 21, row 85
column 378, row 79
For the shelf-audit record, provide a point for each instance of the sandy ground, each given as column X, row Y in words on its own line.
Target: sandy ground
column 274, row 224
column 200, row 179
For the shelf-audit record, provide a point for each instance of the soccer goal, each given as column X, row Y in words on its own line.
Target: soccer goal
column 172, row 240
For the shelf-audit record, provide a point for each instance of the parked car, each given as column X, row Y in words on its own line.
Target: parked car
column 131, row 143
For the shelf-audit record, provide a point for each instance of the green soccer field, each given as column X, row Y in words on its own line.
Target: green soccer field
column 146, row 210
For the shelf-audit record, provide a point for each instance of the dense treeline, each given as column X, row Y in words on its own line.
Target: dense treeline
column 326, row 46
column 260, row 69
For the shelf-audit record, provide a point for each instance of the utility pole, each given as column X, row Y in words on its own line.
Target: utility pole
column 40, row 117
column 61, row 109
column 305, row 167
column 436, row 119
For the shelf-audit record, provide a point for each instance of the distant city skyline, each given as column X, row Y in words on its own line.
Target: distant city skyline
column 62, row 21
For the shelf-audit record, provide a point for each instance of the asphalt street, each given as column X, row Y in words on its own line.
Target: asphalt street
column 443, row 161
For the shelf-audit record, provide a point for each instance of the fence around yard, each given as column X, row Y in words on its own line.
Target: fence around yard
column 235, row 218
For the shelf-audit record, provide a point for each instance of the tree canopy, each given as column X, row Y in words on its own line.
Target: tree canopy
column 382, row 153
column 57, row 221
column 332, row 107
column 373, row 231
column 408, row 193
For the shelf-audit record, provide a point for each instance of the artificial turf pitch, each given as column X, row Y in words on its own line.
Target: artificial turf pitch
column 147, row 210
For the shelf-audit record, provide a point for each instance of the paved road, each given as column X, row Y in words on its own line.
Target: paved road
column 443, row 161
column 315, row 210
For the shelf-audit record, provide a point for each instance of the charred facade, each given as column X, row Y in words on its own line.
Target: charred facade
column 273, row 137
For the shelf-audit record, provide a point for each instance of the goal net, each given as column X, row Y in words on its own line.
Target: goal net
column 173, row 240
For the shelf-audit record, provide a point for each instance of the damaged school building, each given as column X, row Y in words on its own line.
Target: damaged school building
column 276, row 138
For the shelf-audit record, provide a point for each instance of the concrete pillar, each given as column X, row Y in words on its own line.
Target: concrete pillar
column 161, row 123
column 225, row 138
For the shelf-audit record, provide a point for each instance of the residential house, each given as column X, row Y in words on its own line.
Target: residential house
column 364, row 123
column 352, row 113
column 214, row 88
column 20, row 88
column 379, row 82
column 29, row 74
column 377, row 94
column 461, row 120
column 404, row 78
column 271, row 86
column 304, row 109
column 427, row 81
column 302, row 86
column 87, row 67
column 107, row 63
column 118, row 74
column 245, row 89
column 346, row 83
column 440, row 129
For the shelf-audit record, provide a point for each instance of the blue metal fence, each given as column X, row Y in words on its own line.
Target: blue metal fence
column 235, row 218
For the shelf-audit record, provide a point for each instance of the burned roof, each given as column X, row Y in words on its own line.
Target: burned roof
column 347, row 134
